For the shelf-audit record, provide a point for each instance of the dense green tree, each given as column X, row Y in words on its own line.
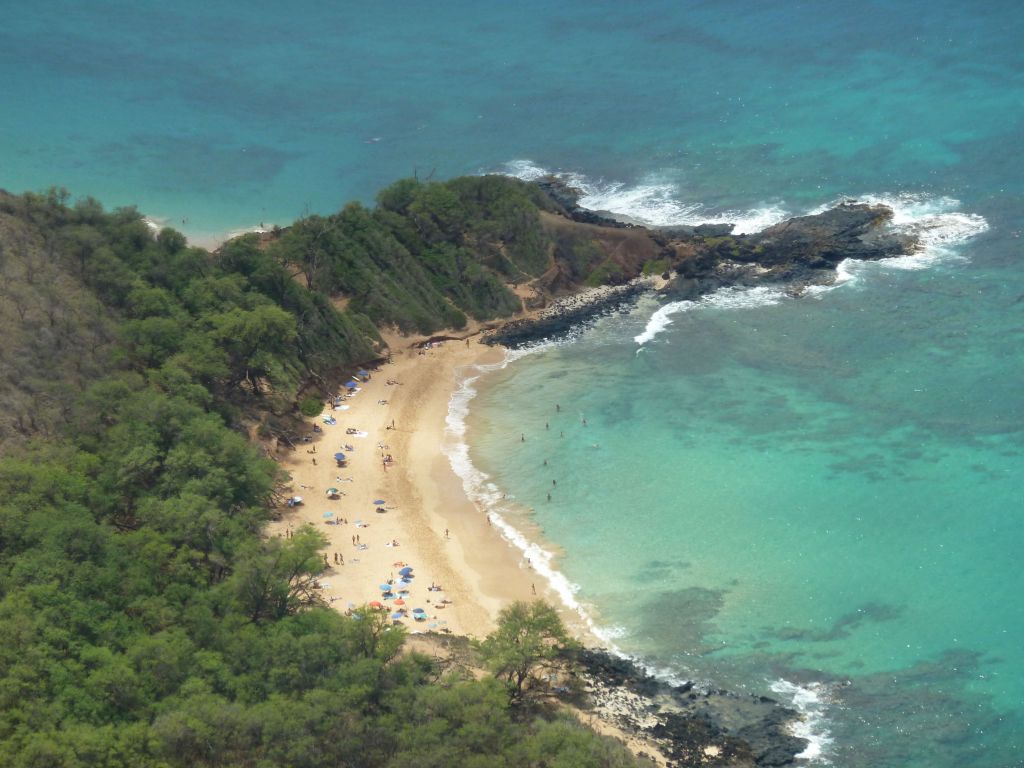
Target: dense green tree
column 274, row 579
column 255, row 340
column 528, row 640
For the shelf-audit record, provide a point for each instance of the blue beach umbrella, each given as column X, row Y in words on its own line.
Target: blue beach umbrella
column 379, row 502
column 403, row 583
column 339, row 456
column 418, row 610
column 397, row 615
column 362, row 373
column 351, row 385
column 328, row 514
column 385, row 587
column 406, row 571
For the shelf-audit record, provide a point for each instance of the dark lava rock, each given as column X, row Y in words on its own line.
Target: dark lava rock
column 801, row 251
column 565, row 319
column 848, row 231
column 685, row 232
column 748, row 730
column 567, row 198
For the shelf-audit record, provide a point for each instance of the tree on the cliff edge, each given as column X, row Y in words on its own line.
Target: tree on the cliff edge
column 528, row 641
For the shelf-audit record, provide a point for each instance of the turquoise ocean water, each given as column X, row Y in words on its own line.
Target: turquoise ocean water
column 820, row 498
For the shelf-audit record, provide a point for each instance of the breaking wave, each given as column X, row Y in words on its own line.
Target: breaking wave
column 651, row 202
column 730, row 297
column 811, row 701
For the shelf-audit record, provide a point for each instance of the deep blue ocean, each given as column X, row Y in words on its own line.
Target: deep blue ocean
column 817, row 498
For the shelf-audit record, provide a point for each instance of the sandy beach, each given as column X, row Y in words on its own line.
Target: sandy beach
column 428, row 523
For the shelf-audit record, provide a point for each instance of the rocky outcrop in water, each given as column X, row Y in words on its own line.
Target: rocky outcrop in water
column 798, row 252
column 698, row 260
column 567, row 199
column 690, row 727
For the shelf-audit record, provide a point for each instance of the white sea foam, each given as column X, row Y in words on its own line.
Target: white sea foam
column 811, row 701
column 653, row 201
column 729, row 297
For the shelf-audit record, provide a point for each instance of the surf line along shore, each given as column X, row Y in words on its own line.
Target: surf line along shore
column 428, row 522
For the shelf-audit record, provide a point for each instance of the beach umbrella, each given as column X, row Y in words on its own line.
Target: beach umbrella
column 418, row 610
column 397, row 615
column 339, row 456
column 406, row 571
column 362, row 373
column 399, row 601
column 379, row 502
column 402, row 583
column 328, row 514
column 385, row 587
column 333, row 491
column 376, row 604
column 351, row 385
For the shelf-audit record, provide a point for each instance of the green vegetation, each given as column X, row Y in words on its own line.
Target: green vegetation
column 311, row 406
column 145, row 622
column 607, row 272
column 656, row 267
column 429, row 255
column 530, row 640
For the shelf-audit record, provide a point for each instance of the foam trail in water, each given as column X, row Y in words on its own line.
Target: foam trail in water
column 653, row 202
column 730, row 297
column 661, row 320
column 811, row 701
